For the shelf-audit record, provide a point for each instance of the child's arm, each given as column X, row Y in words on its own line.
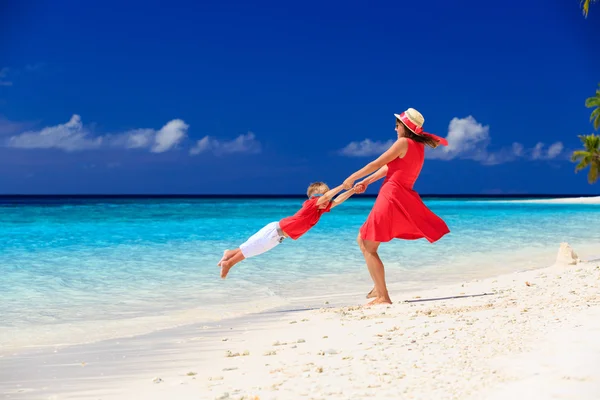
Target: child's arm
column 329, row 195
column 342, row 198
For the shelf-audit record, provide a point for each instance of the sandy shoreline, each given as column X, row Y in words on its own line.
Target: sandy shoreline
column 562, row 200
column 533, row 332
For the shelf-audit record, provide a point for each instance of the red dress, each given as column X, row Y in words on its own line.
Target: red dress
column 399, row 211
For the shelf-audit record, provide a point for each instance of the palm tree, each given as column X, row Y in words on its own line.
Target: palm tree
column 589, row 157
column 586, row 6
column 592, row 102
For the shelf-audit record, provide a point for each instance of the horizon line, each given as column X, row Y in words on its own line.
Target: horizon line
column 200, row 196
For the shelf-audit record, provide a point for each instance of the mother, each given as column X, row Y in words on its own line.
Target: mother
column 398, row 211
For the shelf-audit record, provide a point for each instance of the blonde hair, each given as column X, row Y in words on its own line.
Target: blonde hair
column 317, row 188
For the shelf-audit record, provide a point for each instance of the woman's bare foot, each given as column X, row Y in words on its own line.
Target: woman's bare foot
column 372, row 294
column 225, row 267
column 379, row 300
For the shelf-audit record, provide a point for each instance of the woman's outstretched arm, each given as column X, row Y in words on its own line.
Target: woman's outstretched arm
column 398, row 149
column 381, row 172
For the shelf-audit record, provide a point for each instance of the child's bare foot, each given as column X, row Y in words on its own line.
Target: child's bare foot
column 372, row 294
column 230, row 258
column 227, row 254
column 225, row 267
column 378, row 301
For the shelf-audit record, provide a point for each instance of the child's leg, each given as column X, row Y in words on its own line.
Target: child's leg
column 262, row 241
column 227, row 254
column 226, row 265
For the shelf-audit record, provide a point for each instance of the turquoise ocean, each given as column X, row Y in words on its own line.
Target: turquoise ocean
column 85, row 269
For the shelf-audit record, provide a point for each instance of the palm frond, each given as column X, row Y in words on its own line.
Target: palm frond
column 595, row 118
column 579, row 154
column 583, row 164
column 592, row 101
column 589, row 156
column 592, row 143
column 585, row 5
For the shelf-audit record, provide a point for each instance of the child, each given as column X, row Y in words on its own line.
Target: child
column 319, row 202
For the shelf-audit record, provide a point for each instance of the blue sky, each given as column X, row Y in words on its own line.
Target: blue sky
column 265, row 97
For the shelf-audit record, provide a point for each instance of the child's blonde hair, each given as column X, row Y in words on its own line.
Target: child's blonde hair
column 317, row 188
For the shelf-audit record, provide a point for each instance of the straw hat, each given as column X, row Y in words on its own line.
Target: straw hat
column 412, row 119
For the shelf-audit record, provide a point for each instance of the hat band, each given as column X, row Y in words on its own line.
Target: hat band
column 410, row 125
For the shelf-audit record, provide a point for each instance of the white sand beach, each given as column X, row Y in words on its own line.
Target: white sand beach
column 563, row 200
column 532, row 334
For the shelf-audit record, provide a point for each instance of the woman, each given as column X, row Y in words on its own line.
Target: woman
column 398, row 211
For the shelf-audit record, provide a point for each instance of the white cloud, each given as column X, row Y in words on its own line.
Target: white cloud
column 134, row 139
column 366, row 148
column 71, row 136
column 517, row 149
column 501, row 156
column 467, row 139
column 4, row 74
column 169, row 136
column 536, row 153
column 553, row 151
column 242, row 144
column 74, row 136
column 201, row 146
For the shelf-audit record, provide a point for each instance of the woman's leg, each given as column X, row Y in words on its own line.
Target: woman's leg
column 373, row 292
column 376, row 269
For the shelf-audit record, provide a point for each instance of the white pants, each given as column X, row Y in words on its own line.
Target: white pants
column 263, row 240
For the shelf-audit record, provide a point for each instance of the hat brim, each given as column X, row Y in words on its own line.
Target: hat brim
column 400, row 119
